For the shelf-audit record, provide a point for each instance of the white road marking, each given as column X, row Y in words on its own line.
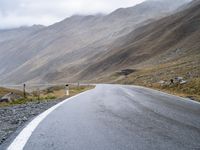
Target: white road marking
column 21, row 140
column 127, row 92
column 167, row 94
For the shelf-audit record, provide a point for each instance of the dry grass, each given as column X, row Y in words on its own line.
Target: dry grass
column 4, row 91
column 59, row 91
column 187, row 68
column 52, row 93
column 189, row 90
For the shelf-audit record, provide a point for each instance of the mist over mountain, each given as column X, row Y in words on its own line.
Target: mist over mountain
column 82, row 47
column 9, row 34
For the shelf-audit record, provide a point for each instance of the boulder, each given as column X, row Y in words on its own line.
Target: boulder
column 10, row 97
column 183, row 82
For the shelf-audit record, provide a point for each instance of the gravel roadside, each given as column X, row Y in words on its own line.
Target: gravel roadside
column 11, row 118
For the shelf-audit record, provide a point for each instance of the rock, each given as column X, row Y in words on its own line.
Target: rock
column 15, row 122
column 183, row 82
column 4, row 100
column 126, row 72
column 178, row 79
column 11, row 118
column 161, row 82
column 10, row 97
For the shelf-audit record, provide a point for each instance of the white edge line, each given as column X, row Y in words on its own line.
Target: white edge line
column 21, row 140
column 184, row 99
column 127, row 92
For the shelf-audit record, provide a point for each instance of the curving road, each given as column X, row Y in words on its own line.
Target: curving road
column 114, row 117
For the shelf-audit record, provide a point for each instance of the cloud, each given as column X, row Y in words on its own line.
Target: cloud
column 17, row 13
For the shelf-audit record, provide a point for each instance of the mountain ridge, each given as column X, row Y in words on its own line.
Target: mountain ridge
column 65, row 49
column 170, row 39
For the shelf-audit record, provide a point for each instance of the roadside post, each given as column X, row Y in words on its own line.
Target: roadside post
column 67, row 89
column 24, row 90
column 78, row 85
column 38, row 93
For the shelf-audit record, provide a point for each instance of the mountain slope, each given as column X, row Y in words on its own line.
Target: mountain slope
column 9, row 34
column 172, row 41
column 65, row 49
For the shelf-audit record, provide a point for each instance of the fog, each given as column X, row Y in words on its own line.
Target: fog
column 18, row 13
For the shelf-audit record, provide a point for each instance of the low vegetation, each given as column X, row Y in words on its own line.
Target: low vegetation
column 4, row 91
column 48, row 94
column 189, row 70
column 190, row 90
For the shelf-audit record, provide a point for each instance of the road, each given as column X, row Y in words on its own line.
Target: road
column 115, row 117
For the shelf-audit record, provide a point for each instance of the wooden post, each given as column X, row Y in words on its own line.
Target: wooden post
column 38, row 93
column 78, row 85
column 24, row 90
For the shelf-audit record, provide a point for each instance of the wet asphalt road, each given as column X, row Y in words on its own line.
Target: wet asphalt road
column 114, row 117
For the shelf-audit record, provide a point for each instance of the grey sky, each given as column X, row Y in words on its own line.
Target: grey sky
column 15, row 13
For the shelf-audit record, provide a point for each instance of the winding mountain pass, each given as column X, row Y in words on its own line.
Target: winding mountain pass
column 115, row 117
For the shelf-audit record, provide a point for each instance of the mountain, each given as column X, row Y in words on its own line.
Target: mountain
column 63, row 51
column 9, row 34
column 169, row 46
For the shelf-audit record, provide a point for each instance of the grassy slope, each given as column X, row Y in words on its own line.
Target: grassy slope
column 172, row 47
column 187, row 68
column 165, row 41
column 4, row 91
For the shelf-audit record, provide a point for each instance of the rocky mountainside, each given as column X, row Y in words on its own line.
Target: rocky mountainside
column 171, row 41
column 67, row 50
